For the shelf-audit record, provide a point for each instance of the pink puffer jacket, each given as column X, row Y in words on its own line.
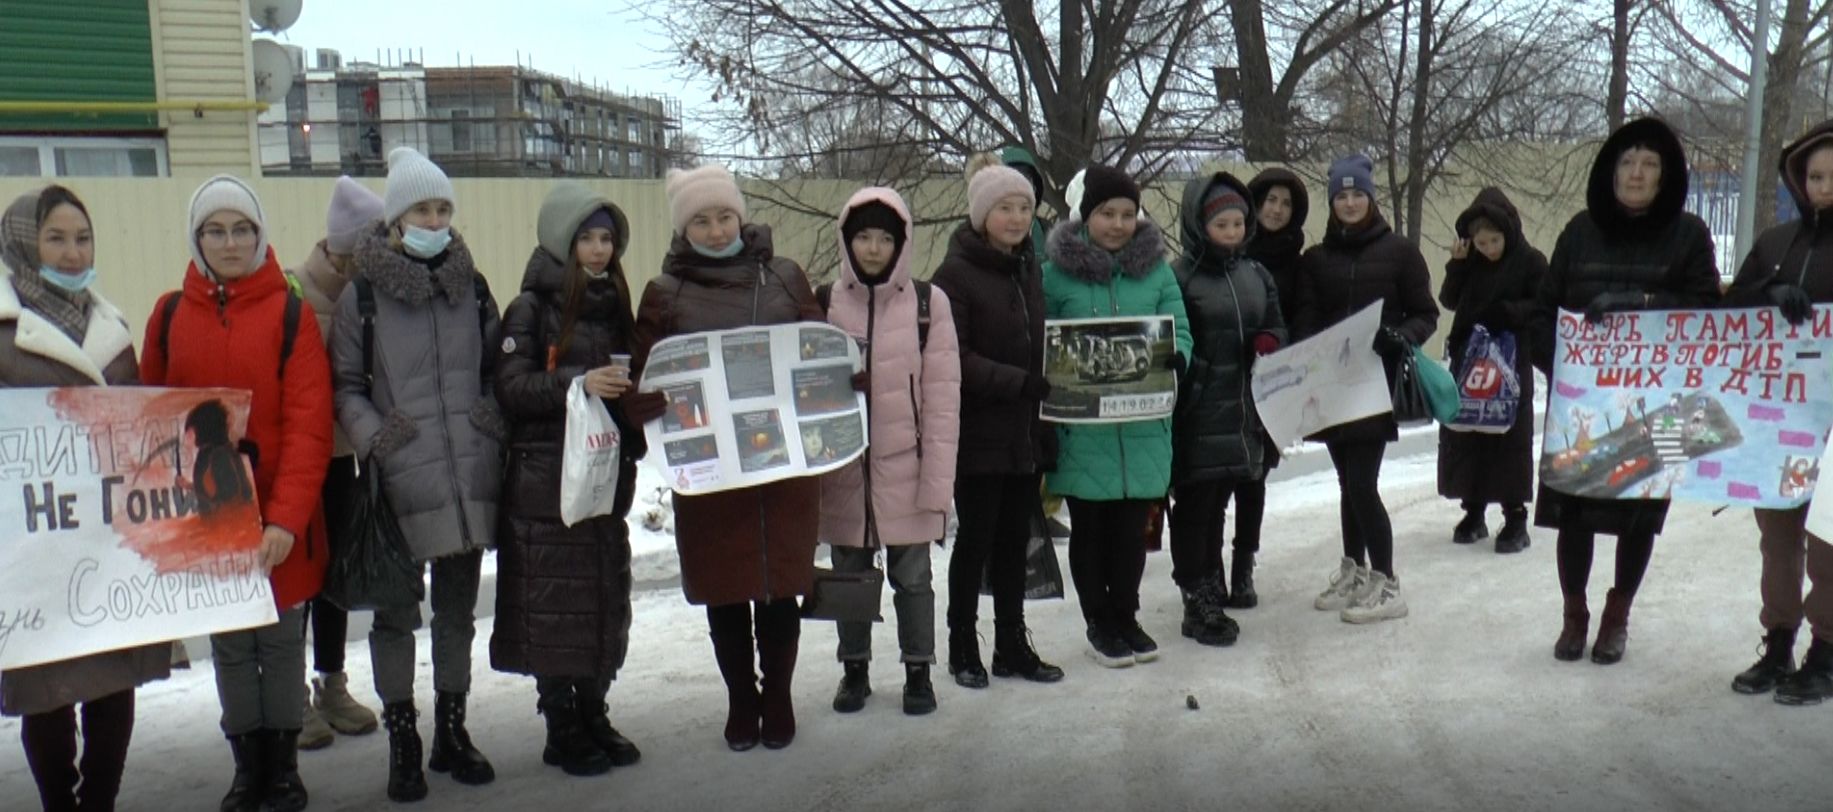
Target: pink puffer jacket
column 915, row 402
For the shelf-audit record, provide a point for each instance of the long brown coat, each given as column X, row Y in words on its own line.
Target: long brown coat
column 754, row 543
column 35, row 353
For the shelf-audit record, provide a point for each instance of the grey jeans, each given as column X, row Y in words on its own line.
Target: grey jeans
column 907, row 568
column 260, row 675
column 391, row 637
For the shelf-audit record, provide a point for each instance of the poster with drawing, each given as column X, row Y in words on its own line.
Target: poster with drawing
column 1711, row 406
column 754, row 405
column 129, row 519
column 1109, row 370
column 1326, row 380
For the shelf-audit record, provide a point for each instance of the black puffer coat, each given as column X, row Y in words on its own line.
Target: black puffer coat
column 563, row 594
column 1664, row 253
column 1484, row 469
column 1229, row 298
column 1799, row 253
column 997, row 299
column 1350, row 270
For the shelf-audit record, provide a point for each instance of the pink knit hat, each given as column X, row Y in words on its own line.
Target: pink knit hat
column 691, row 191
column 990, row 185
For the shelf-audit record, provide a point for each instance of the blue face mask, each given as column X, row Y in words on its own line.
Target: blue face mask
column 425, row 243
column 731, row 250
column 72, row 282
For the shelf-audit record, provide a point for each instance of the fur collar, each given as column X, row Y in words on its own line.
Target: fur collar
column 105, row 340
column 1079, row 258
column 406, row 279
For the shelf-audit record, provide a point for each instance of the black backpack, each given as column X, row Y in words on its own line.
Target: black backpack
column 825, row 295
column 295, row 310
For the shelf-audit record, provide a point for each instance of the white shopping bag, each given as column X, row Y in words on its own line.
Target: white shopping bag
column 589, row 461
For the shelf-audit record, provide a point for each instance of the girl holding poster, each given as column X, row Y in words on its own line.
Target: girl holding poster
column 1110, row 262
column 1632, row 248
column 54, row 331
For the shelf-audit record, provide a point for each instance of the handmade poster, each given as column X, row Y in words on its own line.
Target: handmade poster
column 1109, row 370
column 129, row 518
column 754, row 405
column 1326, row 380
column 1713, row 406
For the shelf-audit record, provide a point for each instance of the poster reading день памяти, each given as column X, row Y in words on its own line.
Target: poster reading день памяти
column 1712, row 406
column 127, row 517
column 754, row 405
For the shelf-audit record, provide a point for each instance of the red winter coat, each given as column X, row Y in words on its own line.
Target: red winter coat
column 914, row 405
column 229, row 335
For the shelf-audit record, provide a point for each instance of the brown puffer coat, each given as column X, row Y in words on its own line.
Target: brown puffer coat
column 34, row 353
column 754, row 543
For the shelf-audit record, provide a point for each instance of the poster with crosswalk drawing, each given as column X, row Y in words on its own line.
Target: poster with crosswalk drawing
column 1722, row 407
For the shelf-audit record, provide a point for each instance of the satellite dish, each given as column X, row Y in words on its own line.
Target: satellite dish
column 273, row 69
column 273, row 16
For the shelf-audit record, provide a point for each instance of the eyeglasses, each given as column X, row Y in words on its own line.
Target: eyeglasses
column 243, row 234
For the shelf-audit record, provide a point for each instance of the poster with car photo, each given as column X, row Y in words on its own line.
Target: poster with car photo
column 1109, row 370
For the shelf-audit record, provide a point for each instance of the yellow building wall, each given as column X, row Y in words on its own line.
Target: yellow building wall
column 201, row 52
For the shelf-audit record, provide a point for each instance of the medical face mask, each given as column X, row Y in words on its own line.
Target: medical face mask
column 74, row 283
column 425, row 243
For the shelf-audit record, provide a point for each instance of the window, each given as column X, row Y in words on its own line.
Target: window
column 82, row 157
column 461, row 130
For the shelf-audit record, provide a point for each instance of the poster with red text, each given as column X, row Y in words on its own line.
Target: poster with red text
column 1722, row 407
column 127, row 516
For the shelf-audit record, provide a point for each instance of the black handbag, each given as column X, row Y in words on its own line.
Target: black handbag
column 370, row 564
column 1411, row 406
column 847, row 597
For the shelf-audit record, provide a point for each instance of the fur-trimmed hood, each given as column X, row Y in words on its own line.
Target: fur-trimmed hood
column 405, row 278
column 1071, row 251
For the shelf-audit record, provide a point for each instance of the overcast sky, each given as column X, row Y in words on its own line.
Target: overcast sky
column 590, row 39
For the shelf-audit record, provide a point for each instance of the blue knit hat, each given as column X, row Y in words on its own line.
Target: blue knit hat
column 1352, row 172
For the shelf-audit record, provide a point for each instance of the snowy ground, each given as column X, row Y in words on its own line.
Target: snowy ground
column 1460, row 706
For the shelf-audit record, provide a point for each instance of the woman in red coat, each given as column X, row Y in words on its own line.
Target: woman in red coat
column 227, row 330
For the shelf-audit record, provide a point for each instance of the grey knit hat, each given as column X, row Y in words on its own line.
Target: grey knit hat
column 352, row 207
column 225, row 193
column 567, row 205
column 411, row 179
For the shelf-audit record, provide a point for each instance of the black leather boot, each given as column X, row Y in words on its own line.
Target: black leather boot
column 919, row 694
column 1470, row 529
column 285, row 791
column 1204, row 618
column 568, row 747
column 1513, row 537
column 854, row 687
column 1241, row 593
column 406, row 780
column 452, row 749
column 589, row 697
column 779, row 634
column 964, row 657
column 1776, row 662
column 1813, row 682
column 246, row 788
column 1014, row 657
column 736, row 655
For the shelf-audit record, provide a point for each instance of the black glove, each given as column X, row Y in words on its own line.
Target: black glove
column 1035, row 387
column 1389, row 343
column 1612, row 303
column 1177, row 364
column 642, row 407
column 1795, row 303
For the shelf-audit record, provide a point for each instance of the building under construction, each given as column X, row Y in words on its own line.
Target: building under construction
column 499, row 121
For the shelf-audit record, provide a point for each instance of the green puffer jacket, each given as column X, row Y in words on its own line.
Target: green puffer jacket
column 1104, row 462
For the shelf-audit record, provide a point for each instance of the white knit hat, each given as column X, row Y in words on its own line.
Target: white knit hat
column 352, row 207
column 691, row 191
column 226, row 193
column 411, row 179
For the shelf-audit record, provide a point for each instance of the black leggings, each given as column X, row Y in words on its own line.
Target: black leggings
column 1250, row 510
column 1107, row 557
column 1198, row 519
column 50, row 749
column 1576, row 549
column 990, row 537
column 1368, row 535
column 330, row 624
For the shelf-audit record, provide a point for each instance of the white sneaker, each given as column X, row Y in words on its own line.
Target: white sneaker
column 1381, row 602
column 1345, row 583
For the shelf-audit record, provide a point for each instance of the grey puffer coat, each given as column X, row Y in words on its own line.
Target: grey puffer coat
column 429, row 420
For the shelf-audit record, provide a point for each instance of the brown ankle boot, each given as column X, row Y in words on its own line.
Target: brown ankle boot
column 1613, row 629
column 1571, row 643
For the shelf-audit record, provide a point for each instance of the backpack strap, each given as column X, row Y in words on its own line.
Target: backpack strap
column 825, row 295
column 480, row 290
column 366, row 309
column 922, row 292
column 167, row 309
